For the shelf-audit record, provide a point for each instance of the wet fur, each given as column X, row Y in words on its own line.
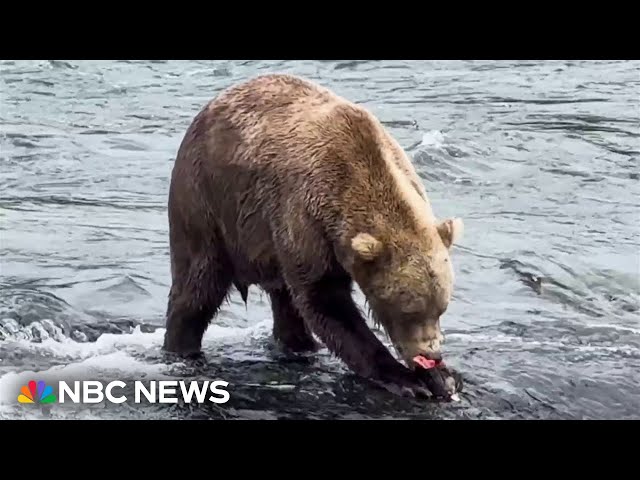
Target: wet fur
column 272, row 182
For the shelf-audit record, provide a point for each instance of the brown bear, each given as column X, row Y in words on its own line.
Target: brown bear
column 283, row 184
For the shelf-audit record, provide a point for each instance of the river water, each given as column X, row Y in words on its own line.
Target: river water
column 540, row 159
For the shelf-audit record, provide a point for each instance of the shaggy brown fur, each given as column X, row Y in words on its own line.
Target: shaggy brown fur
column 283, row 184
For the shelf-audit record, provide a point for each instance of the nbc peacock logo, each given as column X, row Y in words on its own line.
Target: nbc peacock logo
column 36, row 393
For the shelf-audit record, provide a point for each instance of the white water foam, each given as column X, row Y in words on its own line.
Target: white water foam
column 110, row 357
column 433, row 138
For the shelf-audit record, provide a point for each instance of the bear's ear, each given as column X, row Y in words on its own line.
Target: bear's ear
column 366, row 246
column 450, row 231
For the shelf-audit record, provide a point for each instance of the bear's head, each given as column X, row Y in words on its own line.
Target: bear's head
column 407, row 278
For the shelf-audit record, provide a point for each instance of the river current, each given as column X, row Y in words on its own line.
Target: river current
column 540, row 159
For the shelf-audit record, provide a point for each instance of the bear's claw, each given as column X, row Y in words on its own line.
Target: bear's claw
column 403, row 390
column 442, row 381
column 401, row 381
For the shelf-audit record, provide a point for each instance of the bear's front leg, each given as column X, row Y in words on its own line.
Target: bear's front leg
column 328, row 307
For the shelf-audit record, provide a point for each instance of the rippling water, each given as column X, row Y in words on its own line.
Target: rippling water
column 541, row 160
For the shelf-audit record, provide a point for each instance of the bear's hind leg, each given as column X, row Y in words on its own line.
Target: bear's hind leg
column 193, row 301
column 289, row 328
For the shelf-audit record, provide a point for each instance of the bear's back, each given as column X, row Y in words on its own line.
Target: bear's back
column 290, row 123
column 291, row 118
column 263, row 98
column 298, row 111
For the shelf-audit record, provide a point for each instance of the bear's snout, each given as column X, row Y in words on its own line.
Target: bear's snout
column 412, row 340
